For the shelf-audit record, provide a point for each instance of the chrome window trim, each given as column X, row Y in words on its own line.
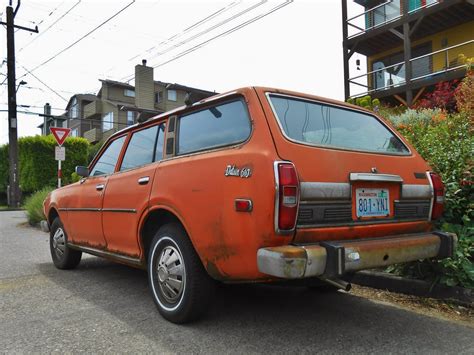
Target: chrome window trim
column 235, row 146
column 269, row 93
column 375, row 177
column 181, row 108
column 277, row 197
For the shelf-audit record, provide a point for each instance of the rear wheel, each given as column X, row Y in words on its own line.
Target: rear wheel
column 63, row 256
column 180, row 286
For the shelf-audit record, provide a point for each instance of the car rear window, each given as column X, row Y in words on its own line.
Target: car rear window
column 214, row 127
column 315, row 123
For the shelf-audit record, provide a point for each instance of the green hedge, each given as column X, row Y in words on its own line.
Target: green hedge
column 38, row 168
column 446, row 141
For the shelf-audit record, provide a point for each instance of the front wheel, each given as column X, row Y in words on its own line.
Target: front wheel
column 63, row 256
column 180, row 286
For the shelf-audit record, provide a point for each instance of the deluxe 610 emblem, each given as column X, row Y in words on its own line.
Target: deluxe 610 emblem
column 232, row 170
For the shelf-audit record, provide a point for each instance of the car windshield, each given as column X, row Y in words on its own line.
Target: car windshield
column 315, row 123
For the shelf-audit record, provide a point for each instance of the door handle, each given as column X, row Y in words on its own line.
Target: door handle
column 143, row 180
column 99, row 187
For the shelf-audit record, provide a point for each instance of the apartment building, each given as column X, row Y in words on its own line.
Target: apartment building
column 119, row 104
column 409, row 46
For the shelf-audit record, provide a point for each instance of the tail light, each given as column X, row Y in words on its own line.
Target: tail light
column 288, row 197
column 438, row 196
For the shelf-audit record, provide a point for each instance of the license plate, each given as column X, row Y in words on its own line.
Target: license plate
column 372, row 203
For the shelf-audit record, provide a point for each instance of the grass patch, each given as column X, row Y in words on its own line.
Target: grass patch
column 34, row 206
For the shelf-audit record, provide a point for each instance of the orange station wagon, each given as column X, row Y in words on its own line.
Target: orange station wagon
column 255, row 185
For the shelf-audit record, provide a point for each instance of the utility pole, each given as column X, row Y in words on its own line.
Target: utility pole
column 14, row 192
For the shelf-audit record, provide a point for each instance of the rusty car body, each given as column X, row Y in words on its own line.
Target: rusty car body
column 254, row 185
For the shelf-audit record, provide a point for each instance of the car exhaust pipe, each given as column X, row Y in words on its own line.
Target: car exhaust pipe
column 343, row 285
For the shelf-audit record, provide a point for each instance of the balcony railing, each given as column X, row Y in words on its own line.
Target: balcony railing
column 383, row 14
column 423, row 67
column 92, row 109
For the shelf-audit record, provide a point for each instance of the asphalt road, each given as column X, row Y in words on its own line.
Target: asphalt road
column 105, row 307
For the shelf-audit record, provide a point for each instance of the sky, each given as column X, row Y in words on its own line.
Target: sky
column 212, row 45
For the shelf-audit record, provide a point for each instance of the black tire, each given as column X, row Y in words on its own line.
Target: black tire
column 181, row 289
column 63, row 256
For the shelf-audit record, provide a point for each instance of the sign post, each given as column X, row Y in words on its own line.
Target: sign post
column 60, row 134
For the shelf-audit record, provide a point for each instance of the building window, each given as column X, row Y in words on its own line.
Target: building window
column 74, row 109
column 172, row 96
column 74, row 132
column 158, row 97
column 107, row 121
column 129, row 93
column 130, row 117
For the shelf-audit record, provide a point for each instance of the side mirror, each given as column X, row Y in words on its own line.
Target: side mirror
column 82, row 171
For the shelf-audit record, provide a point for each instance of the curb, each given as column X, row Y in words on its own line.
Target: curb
column 11, row 209
column 392, row 283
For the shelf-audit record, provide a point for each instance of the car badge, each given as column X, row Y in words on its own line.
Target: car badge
column 232, row 170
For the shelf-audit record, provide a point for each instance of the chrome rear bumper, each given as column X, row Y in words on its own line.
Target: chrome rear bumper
column 333, row 259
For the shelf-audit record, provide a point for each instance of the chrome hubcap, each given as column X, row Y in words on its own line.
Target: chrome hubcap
column 171, row 274
column 59, row 242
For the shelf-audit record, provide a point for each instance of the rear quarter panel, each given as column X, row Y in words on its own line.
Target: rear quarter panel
column 195, row 188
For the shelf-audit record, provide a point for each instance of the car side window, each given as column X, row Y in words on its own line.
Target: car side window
column 107, row 161
column 214, row 127
column 140, row 148
column 160, row 142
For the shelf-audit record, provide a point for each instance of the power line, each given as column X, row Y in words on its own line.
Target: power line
column 54, row 23
column 189, row 28
column 204, row 32
column 46, row 85
column 80, row 39
column 52, row 12
column 236, row 28
column 90, row 120
column 33, row 106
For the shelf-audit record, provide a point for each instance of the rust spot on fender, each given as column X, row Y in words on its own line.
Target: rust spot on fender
column 215, row 273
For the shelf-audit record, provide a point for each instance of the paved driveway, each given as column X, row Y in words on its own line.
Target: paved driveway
column 102, row 307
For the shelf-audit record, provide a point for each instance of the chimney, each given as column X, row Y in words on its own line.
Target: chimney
column 144, row 87
column 47, row 115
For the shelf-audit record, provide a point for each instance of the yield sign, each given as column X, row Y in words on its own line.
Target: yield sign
column 60, row 134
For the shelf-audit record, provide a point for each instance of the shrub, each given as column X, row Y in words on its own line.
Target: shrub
column 446, row 141
column 37, row 164
column 34, row 205
column 365, row 102
column 441, row 97
column 93, row 150
column 465, row 95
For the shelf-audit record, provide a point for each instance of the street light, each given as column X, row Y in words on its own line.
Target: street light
column 21, row 83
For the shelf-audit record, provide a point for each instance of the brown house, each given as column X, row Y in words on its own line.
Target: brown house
column 118, row 105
